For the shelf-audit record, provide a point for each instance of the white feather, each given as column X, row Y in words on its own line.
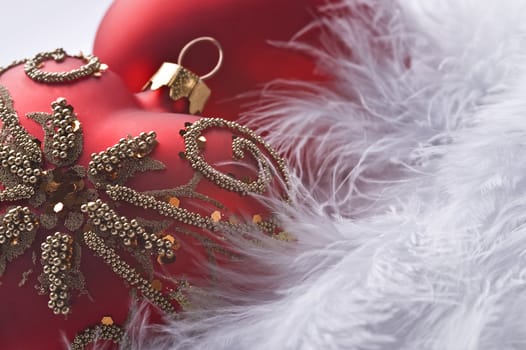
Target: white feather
column 409, row 191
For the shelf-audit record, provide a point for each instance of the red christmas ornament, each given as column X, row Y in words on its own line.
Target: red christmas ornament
column 161, row 28
column 101, row 198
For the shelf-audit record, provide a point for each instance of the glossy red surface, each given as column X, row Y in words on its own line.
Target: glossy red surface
column 136, row 37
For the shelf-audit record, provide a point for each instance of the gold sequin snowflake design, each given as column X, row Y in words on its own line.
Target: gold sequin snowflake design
column 44, row 189
column 57, row 197
column 47, row 179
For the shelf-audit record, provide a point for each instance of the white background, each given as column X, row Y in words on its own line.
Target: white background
column 31, row 26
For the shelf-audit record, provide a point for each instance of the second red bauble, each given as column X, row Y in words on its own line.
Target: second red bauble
column 136, row 37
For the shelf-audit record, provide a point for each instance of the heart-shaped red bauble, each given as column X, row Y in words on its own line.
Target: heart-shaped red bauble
column 95, row 214
column 136, row 37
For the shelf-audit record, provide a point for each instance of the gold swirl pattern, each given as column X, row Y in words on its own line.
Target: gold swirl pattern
column 247, row 141
column 32, row 67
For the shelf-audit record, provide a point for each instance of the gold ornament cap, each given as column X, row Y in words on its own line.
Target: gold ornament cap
column 183, row 82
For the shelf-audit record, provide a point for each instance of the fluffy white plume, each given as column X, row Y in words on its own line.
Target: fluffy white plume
column 409, row 198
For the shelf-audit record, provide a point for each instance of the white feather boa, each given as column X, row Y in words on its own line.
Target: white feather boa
column 409, row 198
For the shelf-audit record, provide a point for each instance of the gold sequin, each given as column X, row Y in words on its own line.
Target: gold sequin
column 169, row 238
column 175, row 244
column 107, row 320
column 201, row 142
column 52, row 186
column 157, row 285
column 256, row 219
column 174, row 201
column 216, row 216
column 57, row 208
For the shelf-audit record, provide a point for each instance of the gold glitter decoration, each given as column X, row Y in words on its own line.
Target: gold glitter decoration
column 57, row 252
column 16, row 192
column 187, row 190
column 18, row 228
column 63, row 134
column 64, row 198
column 101, row 332
column 20, row 158
column 13, row 134
column 105, row 219
column 246, row 141
column 168, row 256
column 118, row 163
column 57, row 193
column 32, row 67
column 185, row 216
column 125, row 271
column 18, row 165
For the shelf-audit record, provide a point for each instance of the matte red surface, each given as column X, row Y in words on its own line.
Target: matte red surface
column 136, row 37
column 108, row 112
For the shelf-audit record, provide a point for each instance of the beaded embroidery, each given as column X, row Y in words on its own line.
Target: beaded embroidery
column 51, row 191
column 105, row 331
